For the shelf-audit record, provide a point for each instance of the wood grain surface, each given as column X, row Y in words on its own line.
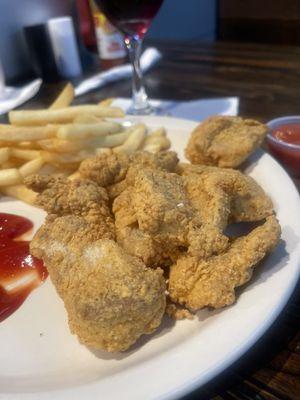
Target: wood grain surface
column 267, row 81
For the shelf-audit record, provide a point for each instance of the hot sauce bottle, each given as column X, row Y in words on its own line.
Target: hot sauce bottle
column 110, row 41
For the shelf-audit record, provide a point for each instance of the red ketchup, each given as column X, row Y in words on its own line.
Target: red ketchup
column 289, row 133
column 20, row 272
column 286, row 147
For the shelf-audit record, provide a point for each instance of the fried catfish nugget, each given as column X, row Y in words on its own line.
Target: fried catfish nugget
column 153, row 216
column 224, row 141
column 60, row 196
column 197, row 283
column 155, row 219
column 224, row 195
column 110, row 170
column 111, row 297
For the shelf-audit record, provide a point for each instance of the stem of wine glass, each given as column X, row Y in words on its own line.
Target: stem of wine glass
column 140, row 103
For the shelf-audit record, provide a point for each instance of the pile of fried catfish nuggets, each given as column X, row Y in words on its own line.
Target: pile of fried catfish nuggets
column 137, row 236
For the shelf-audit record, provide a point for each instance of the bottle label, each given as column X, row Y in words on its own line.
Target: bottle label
column 110, row 44
column 109, row 40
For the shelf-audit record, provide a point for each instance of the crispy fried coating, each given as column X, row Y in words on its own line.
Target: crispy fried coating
column 221, row 194
column 109, row 232
column 199, row 205
column 60, row 196
column 145, row 247
column 160, row 204
column 153, row 216
column 224, row 141
column 108, row 170
column 111, row 297
column 105, row 169
column 178, row 312
column 197, row 283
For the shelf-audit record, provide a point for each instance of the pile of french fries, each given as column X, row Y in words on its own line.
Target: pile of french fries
column 57, row 139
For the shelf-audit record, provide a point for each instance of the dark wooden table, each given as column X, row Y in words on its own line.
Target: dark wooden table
column 267, row 81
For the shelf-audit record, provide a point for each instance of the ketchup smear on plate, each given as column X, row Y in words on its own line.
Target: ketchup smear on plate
column 20, row 272
column 289, row 133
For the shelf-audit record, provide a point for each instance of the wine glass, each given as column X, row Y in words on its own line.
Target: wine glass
column 133, row 18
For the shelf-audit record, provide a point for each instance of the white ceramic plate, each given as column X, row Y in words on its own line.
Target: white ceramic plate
column 40, row 359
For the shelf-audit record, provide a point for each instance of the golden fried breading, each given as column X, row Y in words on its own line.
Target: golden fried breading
column 123, row 210
column 111, row 297
column 178, row 312
column 60, row 196
column 197, row 283
column 220, row 194
column 160, row 204
column 142, row 212
column 107, row 170
column 142, row 245
column 164, row 160
column 159, row 207
column 110, row 230
column 156, row 205
column 224, row 141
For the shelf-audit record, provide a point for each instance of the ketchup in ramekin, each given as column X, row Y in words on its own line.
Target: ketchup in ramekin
column 284, row 142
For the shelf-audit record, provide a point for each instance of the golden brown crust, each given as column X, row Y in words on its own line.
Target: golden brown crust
column 105, row 169
column 110, row 169
column 111, row 297
column 197, row 283
column 177, row 312
column 104, row 246
column 60, row 196
column 224, row 141
column 227, row 193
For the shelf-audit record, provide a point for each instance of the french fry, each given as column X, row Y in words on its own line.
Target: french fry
column 20, row 192
column 4, row 154
column 26, row 145
column 156, row 141
column 25, row 154
column 14, row 134
column 154, row 146
column 76, row 131
column 68, row 146
column 10, row 176
column 106, row 102
column 159, row 132
column 157, row 147
column 86, row 119
column 57, row 159
column 112, row 140
column 65, row 98
column 31, row 167
column 134, row 141
column 61, row 115
column 60, row 146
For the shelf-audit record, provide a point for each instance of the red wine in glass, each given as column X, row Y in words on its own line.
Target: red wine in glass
column 133, row 18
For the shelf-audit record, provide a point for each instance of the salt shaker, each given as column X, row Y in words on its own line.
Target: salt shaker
column 63, row 40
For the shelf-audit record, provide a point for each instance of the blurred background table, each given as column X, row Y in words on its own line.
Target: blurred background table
column 266, row 79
